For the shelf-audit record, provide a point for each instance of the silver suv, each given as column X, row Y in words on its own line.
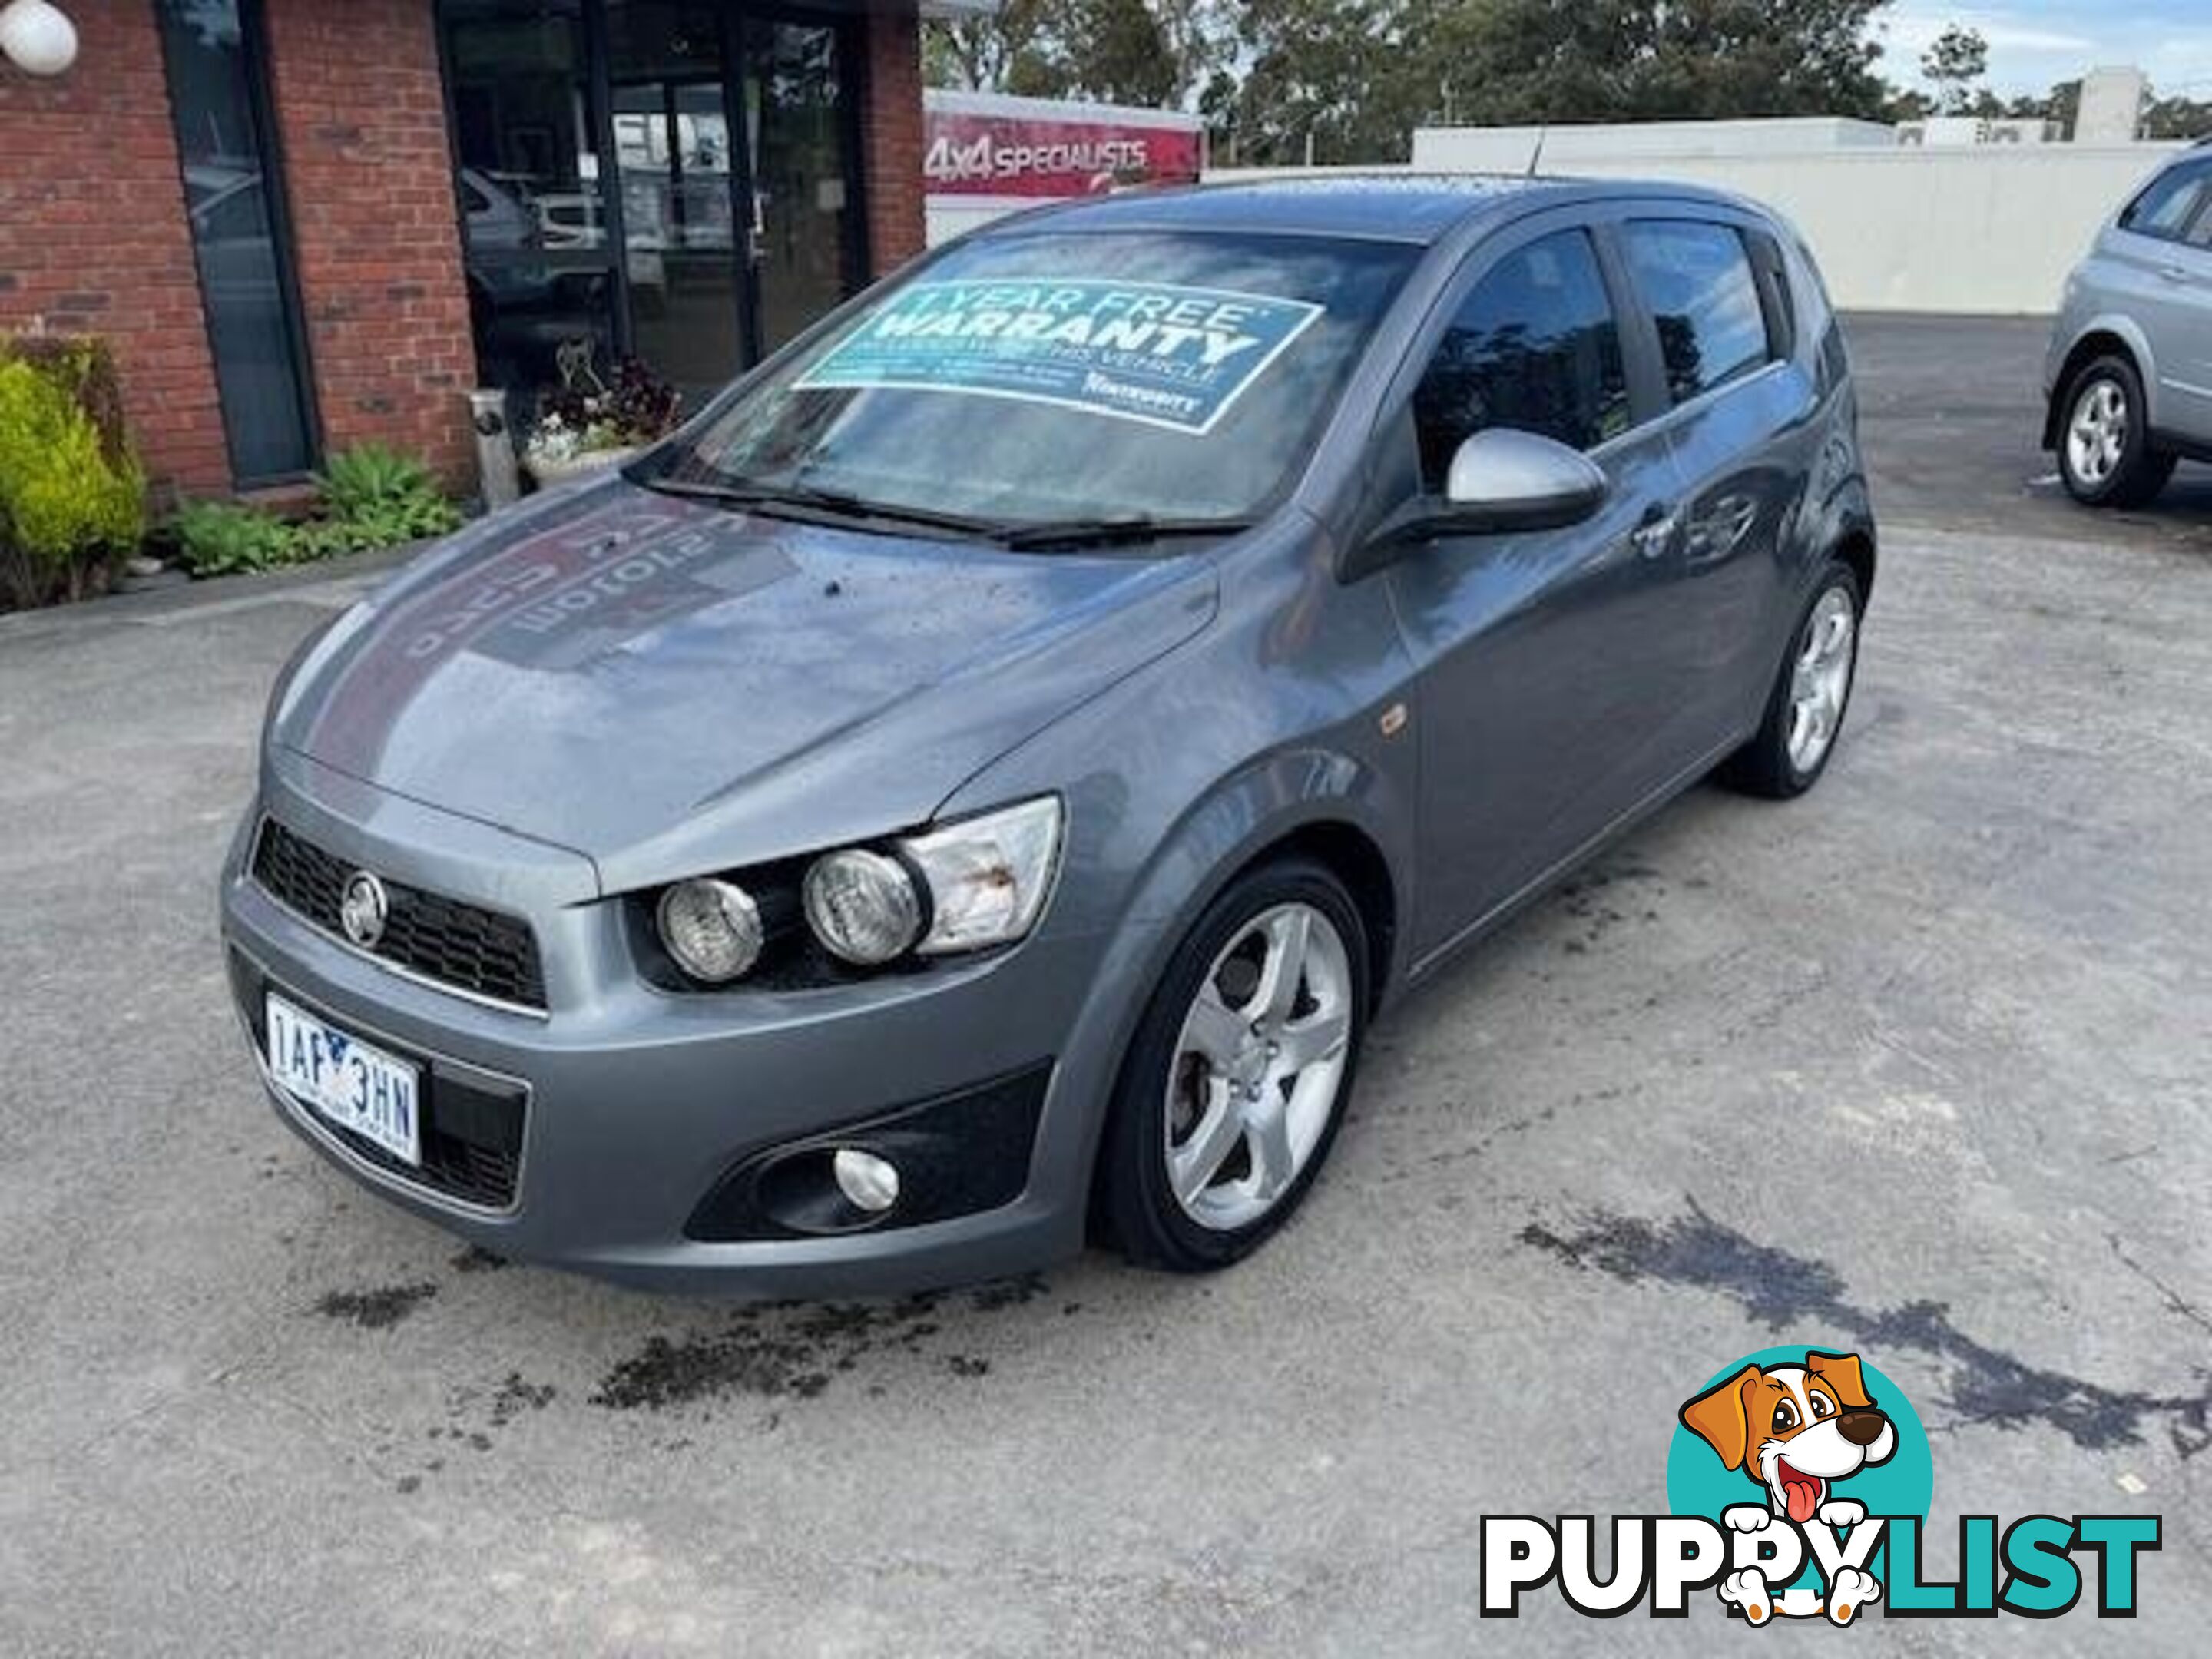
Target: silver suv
column 2128, row 379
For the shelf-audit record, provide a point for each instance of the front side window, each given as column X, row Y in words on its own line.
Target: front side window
column 1536, row 347
column 2168, row 206
column 1696, row 277
column 1039, row 378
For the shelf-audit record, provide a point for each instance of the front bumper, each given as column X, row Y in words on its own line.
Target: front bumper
column 632, row 1106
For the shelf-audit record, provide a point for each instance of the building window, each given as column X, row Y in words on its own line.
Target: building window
column 219, row 99
column 534, row 215
column 672, row 179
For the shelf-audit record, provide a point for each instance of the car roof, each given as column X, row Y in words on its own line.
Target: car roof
column 1417, row 208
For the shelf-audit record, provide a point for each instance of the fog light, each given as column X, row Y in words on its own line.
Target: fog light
column 870, row 1182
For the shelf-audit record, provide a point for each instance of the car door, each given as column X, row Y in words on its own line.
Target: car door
column 1715, row 289
column 1549, row 695
column 2158, row 265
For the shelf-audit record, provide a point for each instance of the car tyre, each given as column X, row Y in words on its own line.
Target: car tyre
column 1236, row 1082
column 1811, row 694
column 2105, row 457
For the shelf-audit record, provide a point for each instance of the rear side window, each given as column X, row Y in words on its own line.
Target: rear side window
column 1535, row 346
column 1696, row 276
column 2168, row 204
column 1779, row 304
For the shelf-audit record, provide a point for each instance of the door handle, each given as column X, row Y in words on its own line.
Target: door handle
column 1654, row 534
column 2174, row 273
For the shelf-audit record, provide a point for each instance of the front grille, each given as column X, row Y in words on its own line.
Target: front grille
column 477, row 950
column 471, row 1129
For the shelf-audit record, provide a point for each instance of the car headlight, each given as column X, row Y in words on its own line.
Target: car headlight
column 863, row 906
column 987, row 877
column 971, row 886
column 712, row 929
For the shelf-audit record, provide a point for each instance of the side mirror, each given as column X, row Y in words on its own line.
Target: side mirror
column 1501, row 481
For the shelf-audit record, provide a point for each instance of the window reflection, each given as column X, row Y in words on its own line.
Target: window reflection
column 1697, row 279
column 1536, row 348
column 540, row 266
column 211, row 51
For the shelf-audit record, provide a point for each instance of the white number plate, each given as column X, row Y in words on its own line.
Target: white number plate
column 353, row 1084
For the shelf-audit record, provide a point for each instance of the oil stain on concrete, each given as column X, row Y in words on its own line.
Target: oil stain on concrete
column 743, row 1359
column 796, row 1351
column 1778, row 1290
column 375, row 1310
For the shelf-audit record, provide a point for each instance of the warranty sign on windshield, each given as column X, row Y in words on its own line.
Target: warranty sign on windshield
column 1158, row 353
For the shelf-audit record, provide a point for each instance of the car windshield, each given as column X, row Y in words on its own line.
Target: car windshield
column 1021, row 383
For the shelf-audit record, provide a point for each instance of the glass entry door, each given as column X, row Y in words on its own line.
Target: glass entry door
column 668, row 82
column 738, row 229
column 679, row 231
column 799, row 128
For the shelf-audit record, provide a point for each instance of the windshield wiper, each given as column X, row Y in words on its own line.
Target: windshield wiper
column 834, row 503
column 1105, row 532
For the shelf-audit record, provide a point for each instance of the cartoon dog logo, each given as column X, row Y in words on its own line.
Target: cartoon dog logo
column 1796, row 1431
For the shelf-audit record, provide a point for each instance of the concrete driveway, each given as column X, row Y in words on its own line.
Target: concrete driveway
column 1916, row 1068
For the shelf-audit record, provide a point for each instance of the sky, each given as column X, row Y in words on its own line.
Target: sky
column 2034, row 43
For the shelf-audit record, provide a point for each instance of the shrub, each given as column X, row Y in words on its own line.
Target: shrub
column 72, row 497
column 376, row 497
column 372, row 497
column 222, row 538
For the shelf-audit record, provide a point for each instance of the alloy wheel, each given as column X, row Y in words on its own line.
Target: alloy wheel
column 1820, row 683
column 2097, row 436
column 1258, row 1066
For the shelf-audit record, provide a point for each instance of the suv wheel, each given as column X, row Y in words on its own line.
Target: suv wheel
column 2105, row 453
column 1239, row 1072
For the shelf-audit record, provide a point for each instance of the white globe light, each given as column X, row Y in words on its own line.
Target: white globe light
column 37, row 38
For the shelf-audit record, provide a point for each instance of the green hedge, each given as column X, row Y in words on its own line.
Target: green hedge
column 72, row 496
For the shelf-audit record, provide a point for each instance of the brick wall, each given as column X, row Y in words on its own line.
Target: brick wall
column 93, row 237
column 360, row 120
column 93, row 234
column 891, row 125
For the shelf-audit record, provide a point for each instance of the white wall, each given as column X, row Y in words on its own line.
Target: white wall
column 947, row 216
column 1566, row 145
column 1988, row 230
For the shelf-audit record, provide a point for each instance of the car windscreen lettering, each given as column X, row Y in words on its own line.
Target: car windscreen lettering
column 1164, row 354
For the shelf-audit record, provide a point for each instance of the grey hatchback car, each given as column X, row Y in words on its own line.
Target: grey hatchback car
column 973, row 787
column 2127, row 380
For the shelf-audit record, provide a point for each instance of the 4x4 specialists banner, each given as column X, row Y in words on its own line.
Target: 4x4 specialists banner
column 1163, row 354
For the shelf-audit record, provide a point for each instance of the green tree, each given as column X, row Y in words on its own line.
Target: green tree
column 2176, row 118
column 1959, row 58
column 1150, row 52
column 1631, row 60
column 2059, row 105
column 1346, row 82
column 1330, row 81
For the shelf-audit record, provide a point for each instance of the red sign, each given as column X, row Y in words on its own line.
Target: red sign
column 971, row 155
